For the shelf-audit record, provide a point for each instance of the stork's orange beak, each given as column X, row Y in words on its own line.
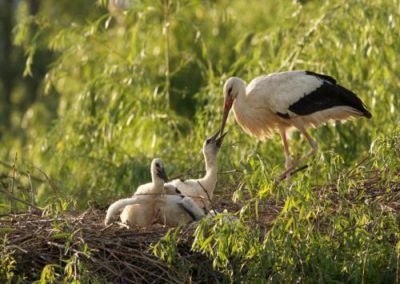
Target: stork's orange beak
column 227, row 107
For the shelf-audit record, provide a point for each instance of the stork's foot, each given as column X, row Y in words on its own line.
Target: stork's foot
column 286, row 175
column 290, row 172
column 283, row 176
column 295, row 171
column 289, row 166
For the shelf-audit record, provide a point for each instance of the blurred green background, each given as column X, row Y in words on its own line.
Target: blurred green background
column 91, row 92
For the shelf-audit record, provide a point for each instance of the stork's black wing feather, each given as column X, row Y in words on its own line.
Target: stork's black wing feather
column 191, row 214
column 322, row 76
column 328, row 95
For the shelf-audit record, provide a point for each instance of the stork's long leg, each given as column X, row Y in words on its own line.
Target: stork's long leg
column 313, row 144
column 287, row 152
column 312, row 152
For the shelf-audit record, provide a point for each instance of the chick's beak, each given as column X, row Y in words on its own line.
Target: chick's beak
column 217, row 138
column 220, row 139
column 161, row 173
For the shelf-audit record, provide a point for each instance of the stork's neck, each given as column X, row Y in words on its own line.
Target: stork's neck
column 241, row 93
column 240, row 104
column 157, row 182
column 210, row 179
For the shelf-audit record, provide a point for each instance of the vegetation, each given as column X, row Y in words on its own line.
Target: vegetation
column 91, row 94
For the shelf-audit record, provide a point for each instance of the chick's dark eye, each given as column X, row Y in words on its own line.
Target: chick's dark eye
column 157, row 166
column 208, row 141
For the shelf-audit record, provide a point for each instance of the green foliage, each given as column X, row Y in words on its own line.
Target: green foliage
column 343, row 232
column 166, row 247
column 121, row 89
column 70, row 267
column 7, row 263
column 58, row 206
column 228, row 241
column 49, row 274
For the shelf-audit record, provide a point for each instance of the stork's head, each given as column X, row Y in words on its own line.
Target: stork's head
column 212, row 144
column 158, row 170
column 233, row 88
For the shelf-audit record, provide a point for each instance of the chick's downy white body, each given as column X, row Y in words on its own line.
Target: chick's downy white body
column 150, row 204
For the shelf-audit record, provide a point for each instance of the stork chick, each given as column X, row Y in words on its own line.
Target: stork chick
column 294, row 99
column 202, row 189
column 156, row 186
column 158, row 177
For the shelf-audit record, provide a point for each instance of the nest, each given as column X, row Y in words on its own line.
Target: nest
column 80, row 244
column 124, row 255
column 110, row 254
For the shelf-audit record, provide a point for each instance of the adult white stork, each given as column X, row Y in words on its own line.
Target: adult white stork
column 280, row 101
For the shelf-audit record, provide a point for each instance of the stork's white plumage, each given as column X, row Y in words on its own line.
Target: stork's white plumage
column 280, row 101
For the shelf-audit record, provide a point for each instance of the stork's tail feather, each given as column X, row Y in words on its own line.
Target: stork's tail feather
column 191, row 208
column 117, row 206
column 367, row 114
column 353, row 100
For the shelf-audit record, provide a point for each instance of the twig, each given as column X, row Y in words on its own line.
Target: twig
column 12, row 197
column 50, row 181
column 21, row 173
column 123, row 225
column 106, row 227
column 180, row 176
column 357, row 165
column 228, row 172
column 166, row 31
column 208, row 196
column 298, row 170
column 12, row 205
column 31, row 191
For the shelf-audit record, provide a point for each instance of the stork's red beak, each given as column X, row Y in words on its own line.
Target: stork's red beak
column 227, row 107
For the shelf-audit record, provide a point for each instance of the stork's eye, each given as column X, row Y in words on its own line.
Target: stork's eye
column 208, row 141
column 157, row 165
column 229, row 91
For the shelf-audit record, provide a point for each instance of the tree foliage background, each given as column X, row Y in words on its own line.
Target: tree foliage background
column 91, row 93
